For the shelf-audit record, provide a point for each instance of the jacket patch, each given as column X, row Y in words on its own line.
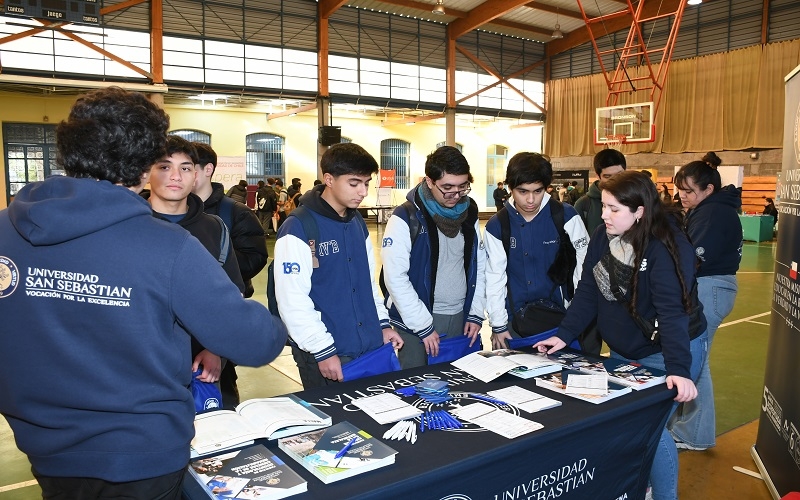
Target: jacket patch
column 291, row 268
column 387, row 242
column 9, row 277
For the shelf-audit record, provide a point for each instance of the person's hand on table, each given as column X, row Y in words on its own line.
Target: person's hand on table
column 550, row 345
column 331, row 368
column 500, row 340
column 686, row 388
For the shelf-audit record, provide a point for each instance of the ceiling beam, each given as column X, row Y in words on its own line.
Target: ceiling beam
column 581, row 36
column 292, row 111
column 412, row 119
column 326, row 8
column 574, row 14
column 522, row 27
column 120, row 6
column 482, row 14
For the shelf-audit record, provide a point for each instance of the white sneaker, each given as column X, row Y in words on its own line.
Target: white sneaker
column 685, row 446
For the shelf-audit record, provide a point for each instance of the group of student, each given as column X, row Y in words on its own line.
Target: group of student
column 95, row 377
column 644, row 264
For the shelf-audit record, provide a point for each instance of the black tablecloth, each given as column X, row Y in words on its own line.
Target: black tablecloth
column 584, row 451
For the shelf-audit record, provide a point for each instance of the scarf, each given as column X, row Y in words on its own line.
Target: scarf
column 619, row 261
column 448, row 220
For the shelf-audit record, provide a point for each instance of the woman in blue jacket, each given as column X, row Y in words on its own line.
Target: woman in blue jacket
column 712, row 223
column 640, row 266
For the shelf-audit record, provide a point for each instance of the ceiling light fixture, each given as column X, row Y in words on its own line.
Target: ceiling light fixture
column 439, row 9
column 557, row 31
column 694, row 2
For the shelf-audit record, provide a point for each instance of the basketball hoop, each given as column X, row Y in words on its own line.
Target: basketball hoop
column 614, row 141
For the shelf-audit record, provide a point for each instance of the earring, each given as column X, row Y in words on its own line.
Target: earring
column 637, row 220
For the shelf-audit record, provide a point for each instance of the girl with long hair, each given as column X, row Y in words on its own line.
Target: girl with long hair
column 639, row 269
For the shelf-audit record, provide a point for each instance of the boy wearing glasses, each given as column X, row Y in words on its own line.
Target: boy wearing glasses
column 432, row 273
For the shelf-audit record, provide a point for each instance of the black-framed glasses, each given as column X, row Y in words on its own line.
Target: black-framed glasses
column 449, row 195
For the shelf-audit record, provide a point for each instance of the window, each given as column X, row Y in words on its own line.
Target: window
column 345, row 140
column 396, row 155
column 495, row 170
column 264, row 157
column 459, row 147
column 30, row 154
column 193, row 135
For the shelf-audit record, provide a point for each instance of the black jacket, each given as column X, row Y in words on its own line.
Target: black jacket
column 715, row 231
column 247, row 237
column 209, row 232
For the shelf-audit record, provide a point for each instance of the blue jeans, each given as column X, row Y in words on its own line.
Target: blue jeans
column 695, row 422
column 664, row 474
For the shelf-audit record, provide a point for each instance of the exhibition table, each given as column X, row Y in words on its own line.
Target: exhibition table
column 601, row 451
column 757, row 227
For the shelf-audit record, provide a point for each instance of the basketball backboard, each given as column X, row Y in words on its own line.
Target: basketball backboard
column 624, row 123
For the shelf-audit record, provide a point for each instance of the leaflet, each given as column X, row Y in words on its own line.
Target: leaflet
column 496, row 420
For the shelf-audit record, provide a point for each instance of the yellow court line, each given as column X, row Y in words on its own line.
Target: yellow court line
column 17, row 486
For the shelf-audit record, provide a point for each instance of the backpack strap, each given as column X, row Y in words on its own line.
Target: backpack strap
column 413, row 222
column 224, row 240
column 226, row 211
column 566, row 258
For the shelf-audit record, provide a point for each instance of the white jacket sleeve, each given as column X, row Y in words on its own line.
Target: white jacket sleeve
column 496, row 283
column 383, row 314
column 292, row 276
column 580, row 240
column 396, row 257
column 478, row 306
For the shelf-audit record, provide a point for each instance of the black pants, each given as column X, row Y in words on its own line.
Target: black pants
column 167, row 487
column 309, row 369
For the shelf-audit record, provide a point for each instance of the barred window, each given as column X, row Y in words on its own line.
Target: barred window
column 396, row 155
column 265, row 157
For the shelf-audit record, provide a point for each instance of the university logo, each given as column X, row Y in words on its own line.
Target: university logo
column 643, row 266
column 512, row 242
column 9, row 277
column 458, row 400
column 387, row 242
column 456, row 496
column 211, row 403
column 291, row 268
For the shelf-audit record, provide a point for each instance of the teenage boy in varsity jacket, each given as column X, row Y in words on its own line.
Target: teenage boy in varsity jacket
column 325, row 289
column 434, row 278
column 533, row 246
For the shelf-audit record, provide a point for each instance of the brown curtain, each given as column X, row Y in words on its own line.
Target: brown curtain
column 730, row 101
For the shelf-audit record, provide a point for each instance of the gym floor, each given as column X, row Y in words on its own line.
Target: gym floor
column 738, row 358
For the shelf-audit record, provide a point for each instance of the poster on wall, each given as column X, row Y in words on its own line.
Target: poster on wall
column 777, row 448
column 230, row 170
column 562, row 176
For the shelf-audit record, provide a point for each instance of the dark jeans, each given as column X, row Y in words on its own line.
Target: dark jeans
column 167, row 487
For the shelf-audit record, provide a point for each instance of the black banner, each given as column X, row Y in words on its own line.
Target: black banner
column 777, row 448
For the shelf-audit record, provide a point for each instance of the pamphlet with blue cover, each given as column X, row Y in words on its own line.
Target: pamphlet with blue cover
column 254, row 472
column 268, row 418
column 337, row 452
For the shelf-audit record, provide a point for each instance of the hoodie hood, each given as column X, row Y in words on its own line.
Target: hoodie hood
column 217, row 192
column 61, row 209
column 729, row 195
column 594, row 190
column 313, row 200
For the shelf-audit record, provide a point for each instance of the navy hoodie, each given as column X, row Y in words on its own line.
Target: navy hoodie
column 715, row 231
column 97, row 297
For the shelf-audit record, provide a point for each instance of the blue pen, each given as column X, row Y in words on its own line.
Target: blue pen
column 346, row 448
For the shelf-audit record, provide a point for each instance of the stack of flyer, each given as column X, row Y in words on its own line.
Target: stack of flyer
column 337, row 452
column 628, row 373
column 254, row 472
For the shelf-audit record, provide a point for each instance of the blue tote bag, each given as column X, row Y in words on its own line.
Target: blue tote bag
column 206, row 395
column 375, row 362
column 453, row 348
column 529, row 341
